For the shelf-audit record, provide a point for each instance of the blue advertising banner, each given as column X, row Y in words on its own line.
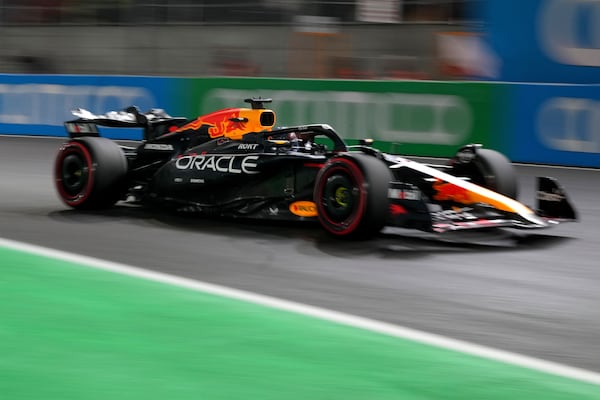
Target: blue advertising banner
column 543, row 40
column 39, row 104
column 555, row 124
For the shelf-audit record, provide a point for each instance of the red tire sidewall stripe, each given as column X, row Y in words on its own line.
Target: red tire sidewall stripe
column 356, row 218
column 73, row 148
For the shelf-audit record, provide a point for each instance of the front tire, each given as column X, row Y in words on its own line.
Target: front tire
column 351, row 195
column 490, row 169
column 89, row 173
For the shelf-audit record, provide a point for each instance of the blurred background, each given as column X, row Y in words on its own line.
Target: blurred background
column 360, row 39
column 517, row 76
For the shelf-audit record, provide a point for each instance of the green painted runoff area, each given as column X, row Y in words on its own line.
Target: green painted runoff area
column 73, row 332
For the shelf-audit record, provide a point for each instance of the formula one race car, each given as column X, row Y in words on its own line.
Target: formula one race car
column 235, row 163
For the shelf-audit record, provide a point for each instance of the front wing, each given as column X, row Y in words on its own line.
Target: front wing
column 411, row 208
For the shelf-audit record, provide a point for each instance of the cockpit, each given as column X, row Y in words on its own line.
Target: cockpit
column 302, row 141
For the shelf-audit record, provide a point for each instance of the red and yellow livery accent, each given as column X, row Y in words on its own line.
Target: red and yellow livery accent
column 463, row 192
column 233, row 122
column 451, row 188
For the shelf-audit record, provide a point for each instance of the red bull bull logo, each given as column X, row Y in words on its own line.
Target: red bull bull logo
column 225, row 123
column 230, row 122
column 447, row 191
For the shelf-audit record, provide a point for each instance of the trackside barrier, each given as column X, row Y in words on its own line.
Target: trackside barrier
column 550, row 124
column 555, row 124
column 39, row 104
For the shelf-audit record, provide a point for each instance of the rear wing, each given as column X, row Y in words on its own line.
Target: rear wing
column 78, row 128
column 154, row 122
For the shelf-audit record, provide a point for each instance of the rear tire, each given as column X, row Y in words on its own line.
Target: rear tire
column 351, row 195
column 89, row 173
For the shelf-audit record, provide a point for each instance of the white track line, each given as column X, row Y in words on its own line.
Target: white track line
column 316, row 312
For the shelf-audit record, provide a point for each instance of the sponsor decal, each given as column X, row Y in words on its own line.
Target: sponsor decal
column 196, row 180
column 247, row 146
column 460, row 214
column 456, row 225
column 545, row 196
column 303, row 208
column 158, row 146
column 81, row 127
column 404, row 194
column 225, row 163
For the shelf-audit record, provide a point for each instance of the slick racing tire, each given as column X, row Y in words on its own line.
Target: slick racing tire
column 497, row 171
column 351, row 195
column 492, row 170
column 89, row 173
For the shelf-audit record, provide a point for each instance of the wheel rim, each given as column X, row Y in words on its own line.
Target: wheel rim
column 74, row 174
column 340, row 197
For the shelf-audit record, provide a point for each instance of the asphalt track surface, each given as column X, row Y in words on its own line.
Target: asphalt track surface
column 530, row 292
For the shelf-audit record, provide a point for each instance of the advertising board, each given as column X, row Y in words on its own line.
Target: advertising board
column 408, row 117
column 535, row 123
column 39, row 104
column 555, row 124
